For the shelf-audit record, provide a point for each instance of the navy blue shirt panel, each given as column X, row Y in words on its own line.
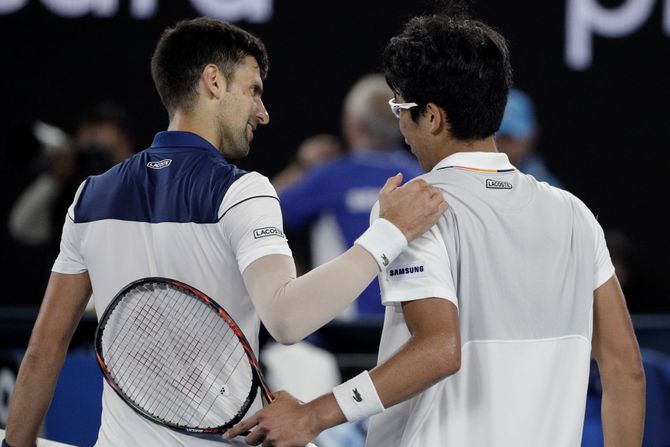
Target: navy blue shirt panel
column 180, row 178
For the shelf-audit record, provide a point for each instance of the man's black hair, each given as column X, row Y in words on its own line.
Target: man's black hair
column 458, row 63
column 184, row 50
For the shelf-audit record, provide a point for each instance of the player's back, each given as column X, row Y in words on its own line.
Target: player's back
column 523, row 266
column 160, row 213
column 523, row 261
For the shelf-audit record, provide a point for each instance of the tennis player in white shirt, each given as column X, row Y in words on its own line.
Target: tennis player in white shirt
column 492, row 315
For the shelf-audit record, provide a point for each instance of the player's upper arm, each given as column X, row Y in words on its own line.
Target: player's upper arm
column 251, row 220
column 614, row 343
column 63, row 305
column 435, row 321
column 423, row 270
column 602, row 264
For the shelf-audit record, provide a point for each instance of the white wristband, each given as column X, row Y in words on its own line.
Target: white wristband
column 358, row 398
column 384, row 241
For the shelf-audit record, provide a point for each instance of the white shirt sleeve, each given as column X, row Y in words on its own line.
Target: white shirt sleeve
column 421, row 271
column 70, row 260
column 250, row 217
column 602, row 264
column 602, row 267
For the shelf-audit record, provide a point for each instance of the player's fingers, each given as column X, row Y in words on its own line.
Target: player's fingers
column 242, row 427
column 392, row 183
column 255, row 437
column 280, row 394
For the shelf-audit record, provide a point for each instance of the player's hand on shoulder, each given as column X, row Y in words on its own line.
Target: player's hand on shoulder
column 286, row 422
column 413, row 207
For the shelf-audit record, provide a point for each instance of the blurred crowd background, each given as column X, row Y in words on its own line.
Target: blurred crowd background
column 594, row 75
column 588, row 114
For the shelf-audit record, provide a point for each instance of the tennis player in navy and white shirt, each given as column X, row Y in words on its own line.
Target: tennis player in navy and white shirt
column 181, row 210
column 196, row 218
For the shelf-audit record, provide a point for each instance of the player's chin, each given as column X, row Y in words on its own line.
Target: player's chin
column 241, row 150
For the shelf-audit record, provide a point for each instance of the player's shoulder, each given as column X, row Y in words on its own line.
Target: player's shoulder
column 253, row 183
column 250, row 186
column 549, row 190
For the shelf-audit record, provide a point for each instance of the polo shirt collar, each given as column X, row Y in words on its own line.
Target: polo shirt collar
column 485, row 161
column 178, row 139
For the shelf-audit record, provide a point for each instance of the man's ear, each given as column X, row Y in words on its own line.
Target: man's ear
column 213, row 81
column 436, row 118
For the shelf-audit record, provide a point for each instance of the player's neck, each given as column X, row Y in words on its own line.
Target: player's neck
column 452, row 145
column 188, row 122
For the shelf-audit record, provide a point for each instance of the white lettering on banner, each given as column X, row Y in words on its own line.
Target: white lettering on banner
column 257, row 11
column 11, row 6
column 585, row 18
column 253, row 10
column 143, row 9
column 77, row 8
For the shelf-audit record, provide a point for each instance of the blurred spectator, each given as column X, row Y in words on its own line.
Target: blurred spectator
column 518, row 137
column 312, row 152
column 335, row 198
column 103, row 138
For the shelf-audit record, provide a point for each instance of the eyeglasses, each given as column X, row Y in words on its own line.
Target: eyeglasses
column 395, row 107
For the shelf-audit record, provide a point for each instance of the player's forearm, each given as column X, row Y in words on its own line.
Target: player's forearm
column 292, row 308
column 623, row 408
column 64, row 303
column 32, row 395
column 420, row 363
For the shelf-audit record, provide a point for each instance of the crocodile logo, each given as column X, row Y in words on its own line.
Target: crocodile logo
column 385, row 260
column 357, row 396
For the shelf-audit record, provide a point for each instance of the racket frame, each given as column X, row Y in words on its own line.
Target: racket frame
column 257, row 376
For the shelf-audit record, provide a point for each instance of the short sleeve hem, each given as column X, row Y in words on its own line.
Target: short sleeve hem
column 401, row 296
column 603, row 275
column 68, row 268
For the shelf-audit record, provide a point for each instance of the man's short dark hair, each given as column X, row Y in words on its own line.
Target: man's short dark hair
column 184, row 50
column 458, row 63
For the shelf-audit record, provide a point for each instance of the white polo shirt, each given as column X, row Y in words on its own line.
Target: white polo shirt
column 177, row 210
column 520, row 259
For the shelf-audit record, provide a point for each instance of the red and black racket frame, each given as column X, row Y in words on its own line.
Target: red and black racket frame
column 257, row 376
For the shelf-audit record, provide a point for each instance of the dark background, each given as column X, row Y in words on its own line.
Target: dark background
column 603, row 128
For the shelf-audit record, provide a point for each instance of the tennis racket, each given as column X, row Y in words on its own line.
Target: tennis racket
column 177, row 358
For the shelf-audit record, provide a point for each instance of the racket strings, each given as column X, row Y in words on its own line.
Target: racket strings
column 162, row 402
column 178, row 382
column 222, row 389
column 185, row 378
column 166, row 357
